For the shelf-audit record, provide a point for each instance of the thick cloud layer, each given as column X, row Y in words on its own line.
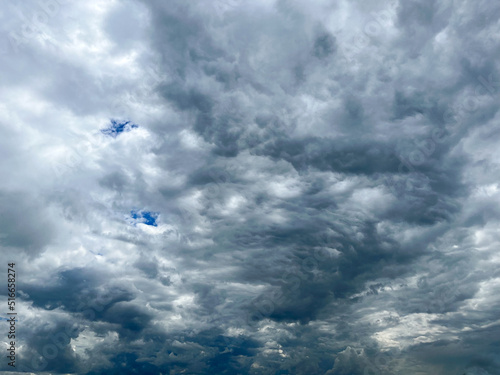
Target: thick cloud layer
column 265, row 187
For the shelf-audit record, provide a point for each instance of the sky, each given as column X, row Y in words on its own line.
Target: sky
column 251, row 187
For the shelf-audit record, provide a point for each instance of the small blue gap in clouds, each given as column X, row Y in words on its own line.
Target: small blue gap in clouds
column 145, row 217
column 118, row 127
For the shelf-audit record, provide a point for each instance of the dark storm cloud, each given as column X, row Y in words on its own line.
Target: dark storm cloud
column 49, row 348
column 432, row 200
column 75, row 289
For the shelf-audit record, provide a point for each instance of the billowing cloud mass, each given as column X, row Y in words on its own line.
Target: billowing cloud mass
column 252, row 187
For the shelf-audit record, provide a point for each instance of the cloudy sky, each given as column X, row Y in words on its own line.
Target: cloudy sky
column 252, row 187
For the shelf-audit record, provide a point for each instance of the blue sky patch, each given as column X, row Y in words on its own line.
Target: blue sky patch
column 117, row 127
column 145, row 217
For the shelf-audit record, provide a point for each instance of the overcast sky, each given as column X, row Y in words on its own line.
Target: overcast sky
column 252, row 187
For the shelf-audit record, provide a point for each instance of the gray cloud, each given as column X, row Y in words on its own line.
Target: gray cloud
column 308, row 188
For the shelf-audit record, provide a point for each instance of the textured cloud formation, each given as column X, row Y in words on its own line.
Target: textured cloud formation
column 265, row 187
